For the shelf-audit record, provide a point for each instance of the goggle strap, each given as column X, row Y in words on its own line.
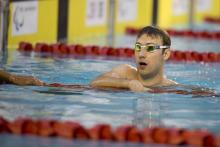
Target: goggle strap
column 162, row 47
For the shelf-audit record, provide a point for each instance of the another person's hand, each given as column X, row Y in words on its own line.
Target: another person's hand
column 26, row 80
column 136, row 86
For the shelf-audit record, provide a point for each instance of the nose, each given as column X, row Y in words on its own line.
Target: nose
column 142, row 54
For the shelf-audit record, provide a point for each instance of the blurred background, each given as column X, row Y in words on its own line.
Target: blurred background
column 100, row 22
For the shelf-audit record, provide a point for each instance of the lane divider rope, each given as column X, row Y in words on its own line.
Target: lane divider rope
column 125, row 133
column 183, row 33
column 64, row 50
column 212, row 20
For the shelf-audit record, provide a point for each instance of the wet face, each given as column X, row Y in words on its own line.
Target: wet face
column 149, row 64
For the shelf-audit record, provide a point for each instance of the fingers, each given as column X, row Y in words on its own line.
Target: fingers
column 30, row 80
column 41, row 83
column 37, row 82
column 146, row 89
column 136, row 86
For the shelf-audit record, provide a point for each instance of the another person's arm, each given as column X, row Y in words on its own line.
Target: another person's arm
column 4, row 77
column 9, row 78
column 121, row 76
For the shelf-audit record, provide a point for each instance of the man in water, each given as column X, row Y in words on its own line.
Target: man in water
column 152, row 50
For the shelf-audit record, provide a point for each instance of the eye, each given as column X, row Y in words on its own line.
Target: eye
column 150, row 48
column 137, row 47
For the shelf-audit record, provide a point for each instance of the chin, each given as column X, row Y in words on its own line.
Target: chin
column 147, row 72
column 144, row 72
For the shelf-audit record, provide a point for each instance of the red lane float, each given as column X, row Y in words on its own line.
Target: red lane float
column 155, row 135
column 23, row 126
column 101, row 132
column 93, row 50
column 45, row 128
column 25, row 46
column 74, row 130
column 183, row 33
column 63, row 50
column 199, row 138
column 71, row 130
column 175, row 136
column 194, row 56
column 212, row 20
column 126, row 52
column 160, row 135
column 42, row 48
column 60, row 49
column 217, row 140
column 3, row 125
column 125, row 133
column 146, row 135
column 77, row 49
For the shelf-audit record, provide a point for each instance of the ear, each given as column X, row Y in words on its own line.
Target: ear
column 166, row 54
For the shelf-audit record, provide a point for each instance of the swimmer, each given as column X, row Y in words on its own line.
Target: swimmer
column 152, row 50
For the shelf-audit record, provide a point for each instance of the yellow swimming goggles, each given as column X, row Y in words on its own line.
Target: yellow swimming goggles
column 149, row 48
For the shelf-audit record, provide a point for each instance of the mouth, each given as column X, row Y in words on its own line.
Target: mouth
column 142, row 64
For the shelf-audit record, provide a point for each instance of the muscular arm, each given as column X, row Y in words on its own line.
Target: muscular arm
column 8, row 78
column 104, row 81
column 4, row 77
column 118, row 77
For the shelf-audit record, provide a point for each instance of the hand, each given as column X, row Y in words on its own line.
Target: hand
column 26, row 80
column 136, row 86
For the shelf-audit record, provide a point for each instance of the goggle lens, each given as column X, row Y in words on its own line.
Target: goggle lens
column 148, row 48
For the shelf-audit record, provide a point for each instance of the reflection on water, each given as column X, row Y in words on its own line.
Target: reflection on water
column 147, row 112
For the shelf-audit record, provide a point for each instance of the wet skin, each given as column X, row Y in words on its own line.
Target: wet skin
column 149, row 70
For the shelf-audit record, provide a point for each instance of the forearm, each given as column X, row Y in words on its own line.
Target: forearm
column 4, row 77
column 8, row 78
column 110, row 82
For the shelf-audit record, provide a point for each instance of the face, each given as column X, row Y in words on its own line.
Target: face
column 150, row 64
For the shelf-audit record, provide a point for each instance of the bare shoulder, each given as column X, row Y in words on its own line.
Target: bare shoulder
column 169, row 82
column 124, row 67
column 125, row 70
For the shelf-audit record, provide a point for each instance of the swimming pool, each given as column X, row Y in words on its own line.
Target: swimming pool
column 92, row 106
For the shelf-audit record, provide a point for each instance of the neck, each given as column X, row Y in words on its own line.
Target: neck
column 151, row 80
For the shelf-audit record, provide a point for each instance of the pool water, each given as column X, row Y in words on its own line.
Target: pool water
column 36, row 141
column 117, row 107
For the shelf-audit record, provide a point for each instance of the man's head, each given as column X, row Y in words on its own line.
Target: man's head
column 152, row 49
